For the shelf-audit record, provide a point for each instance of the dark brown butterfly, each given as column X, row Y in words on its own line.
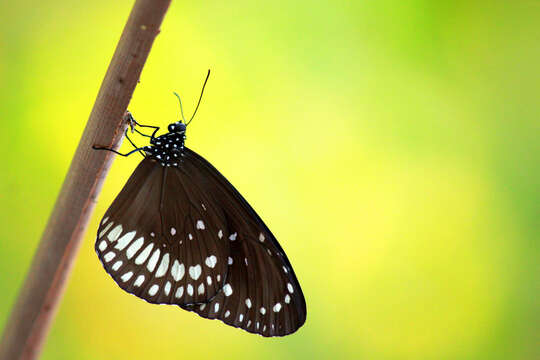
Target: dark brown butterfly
column 180, row 233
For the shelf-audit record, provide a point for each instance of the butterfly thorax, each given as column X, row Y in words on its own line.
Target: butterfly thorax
column 167, row 149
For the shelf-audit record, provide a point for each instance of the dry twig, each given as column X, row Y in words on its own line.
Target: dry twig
column 36, row 305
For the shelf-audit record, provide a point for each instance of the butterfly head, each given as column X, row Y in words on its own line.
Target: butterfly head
column 177, row 127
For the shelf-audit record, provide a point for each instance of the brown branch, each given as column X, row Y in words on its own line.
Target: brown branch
column 36, row 305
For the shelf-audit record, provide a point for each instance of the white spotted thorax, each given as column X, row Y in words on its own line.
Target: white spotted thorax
column 168, row 148
column 179, row 233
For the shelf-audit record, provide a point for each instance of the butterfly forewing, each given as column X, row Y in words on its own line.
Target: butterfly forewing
column 156, row 244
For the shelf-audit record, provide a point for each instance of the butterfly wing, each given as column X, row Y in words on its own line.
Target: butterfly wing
column 163, row 242
column 261, row 293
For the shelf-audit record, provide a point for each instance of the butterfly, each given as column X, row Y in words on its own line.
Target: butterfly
column 179, row 233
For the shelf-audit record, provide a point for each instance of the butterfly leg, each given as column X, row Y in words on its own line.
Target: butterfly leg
column 132, row 143
column 116, row 152
column 132, row 120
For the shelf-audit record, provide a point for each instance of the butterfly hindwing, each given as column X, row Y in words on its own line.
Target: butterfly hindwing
column 261, row 294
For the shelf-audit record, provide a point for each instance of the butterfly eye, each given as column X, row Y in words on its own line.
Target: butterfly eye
column 181, row 127
column 177, row 127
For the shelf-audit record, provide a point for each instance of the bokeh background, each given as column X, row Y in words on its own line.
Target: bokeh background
column 391, row 146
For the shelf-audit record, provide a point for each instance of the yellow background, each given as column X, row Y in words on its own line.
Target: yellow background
column 391, row 146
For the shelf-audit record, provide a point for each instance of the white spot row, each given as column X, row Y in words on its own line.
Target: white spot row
column 177, row 269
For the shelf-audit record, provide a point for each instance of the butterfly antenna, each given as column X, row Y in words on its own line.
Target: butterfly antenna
column 200, row 97
column 181, row 110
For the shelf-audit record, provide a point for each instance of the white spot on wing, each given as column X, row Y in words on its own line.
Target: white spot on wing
column 227, row 313
column 290, row 288
column 211, row 261
column 200, row 289
column 261, row 237
column 245, row 260
column 102, row 245
column 144, row 254
column 117, row 265
column 195, row 271
column 152, row 234
column 232, row 237
column 102, row 232
column 248, row 303
column 167, row 288
column 190, row 236
column 109, row 256
column 177, row 270
column 230, row 261
column 115, row 233
column 173, row 231
column 241, row 317
column 163, row 266
column 200, row 225
column 277, row 307
column 127, row 276
column 209, row 280
column 153, row 260
column 179, row 292
column 285, row 270
column 287, row 299
column 227, row 290
column 262, row 311
column 190, row 289
column 216, row 307
column 153, row 290
column 139, row 281
column 220, row 234
column 104, row 220
column 125, row 240
column 134, row 247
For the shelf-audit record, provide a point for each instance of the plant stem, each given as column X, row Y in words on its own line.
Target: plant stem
column 43, row 288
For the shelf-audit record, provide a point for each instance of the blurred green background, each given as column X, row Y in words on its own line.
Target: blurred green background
column 391, row 146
